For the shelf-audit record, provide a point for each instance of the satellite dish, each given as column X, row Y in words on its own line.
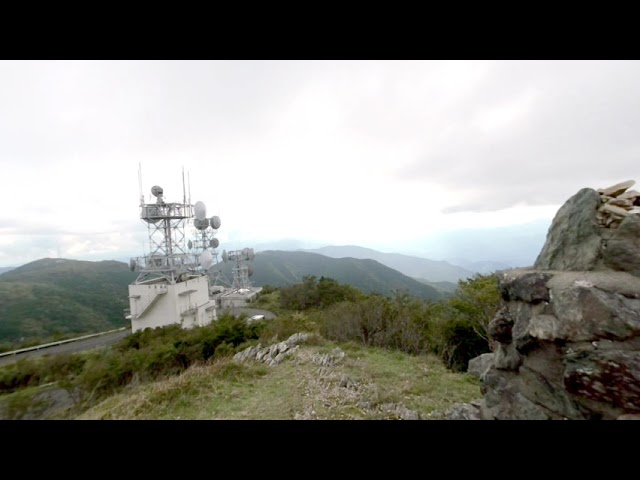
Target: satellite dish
column 206, row 260
column 225, row 256
column 215, row 222
column 250, row 270
column 156, row 191
column 132, row 264
column 201, row 224
column 214, row 243
column 190, row 244
column 200, row 210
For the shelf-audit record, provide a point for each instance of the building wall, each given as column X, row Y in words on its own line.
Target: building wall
column 167, row 308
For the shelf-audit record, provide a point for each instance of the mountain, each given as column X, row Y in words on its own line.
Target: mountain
column 446, row 289
column 6, row 269
column 415, row 267
column 55, row 297
column 281, row 268
column 483, row 267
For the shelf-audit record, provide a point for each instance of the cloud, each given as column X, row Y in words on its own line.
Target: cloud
column 563, row 126
column 334, row 152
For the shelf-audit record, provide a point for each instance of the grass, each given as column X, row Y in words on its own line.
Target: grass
column 366, row 384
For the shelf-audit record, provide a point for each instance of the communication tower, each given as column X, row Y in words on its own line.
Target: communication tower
column 241, row 271
column 171, row 286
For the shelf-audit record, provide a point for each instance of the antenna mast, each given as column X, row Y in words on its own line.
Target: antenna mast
column 184, row 191
column 140, row 183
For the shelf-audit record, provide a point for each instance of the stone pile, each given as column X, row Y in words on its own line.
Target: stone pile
column 617, row 203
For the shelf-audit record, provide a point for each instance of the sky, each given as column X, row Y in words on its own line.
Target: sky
column 434, row 158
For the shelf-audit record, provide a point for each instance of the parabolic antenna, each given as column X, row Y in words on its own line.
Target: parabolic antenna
column 190, row 244
column 214, row 243
column 206, row 260
column 200, row 210
column 156, row 191
column 201, row 224
column 215, row 222
column 132, row 264
column 225, row 256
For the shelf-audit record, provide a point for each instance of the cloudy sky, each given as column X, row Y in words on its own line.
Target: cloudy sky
column 402, row 156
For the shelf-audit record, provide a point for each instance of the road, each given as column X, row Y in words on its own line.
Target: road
column 70, row 347
column 109, row 338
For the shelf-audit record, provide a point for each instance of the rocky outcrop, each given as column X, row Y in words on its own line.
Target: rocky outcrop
column 273, row 354
column 568, row 333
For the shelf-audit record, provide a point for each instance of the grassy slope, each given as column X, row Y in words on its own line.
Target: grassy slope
column 227, row 390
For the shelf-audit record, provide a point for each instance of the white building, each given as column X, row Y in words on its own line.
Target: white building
column 160, row 304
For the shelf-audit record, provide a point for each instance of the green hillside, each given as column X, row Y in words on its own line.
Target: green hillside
column 280, row 268
column 54, row 298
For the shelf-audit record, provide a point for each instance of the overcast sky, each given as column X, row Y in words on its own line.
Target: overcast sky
column 382, row 154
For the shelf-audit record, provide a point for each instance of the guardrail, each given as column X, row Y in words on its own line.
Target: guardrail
column 53, row 344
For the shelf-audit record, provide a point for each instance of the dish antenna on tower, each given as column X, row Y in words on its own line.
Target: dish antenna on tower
column 213, row 243
column 201, row 224
column 200, row 210
column 215, row 222
column 157, row 192
column 206, row 260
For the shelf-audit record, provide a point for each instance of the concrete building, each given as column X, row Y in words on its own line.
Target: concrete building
column 160, row 304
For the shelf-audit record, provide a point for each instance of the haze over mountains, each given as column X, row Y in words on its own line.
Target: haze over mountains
column 415, row 267
column 481, row 250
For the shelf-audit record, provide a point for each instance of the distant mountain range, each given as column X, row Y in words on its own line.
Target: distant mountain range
column 6, row 269
column 55, row 297
column 483, row 267
column 415, row 267
column 281, row 268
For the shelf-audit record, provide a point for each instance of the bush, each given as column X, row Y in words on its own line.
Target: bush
column 286, row 324
column 314, row 293
column 23, row 373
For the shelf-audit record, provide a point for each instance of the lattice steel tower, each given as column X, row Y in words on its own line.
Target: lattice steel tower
column 241, row 271
column 168, row 258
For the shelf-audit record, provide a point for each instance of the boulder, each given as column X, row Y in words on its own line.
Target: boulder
column 573, row 241
column 622, row 250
